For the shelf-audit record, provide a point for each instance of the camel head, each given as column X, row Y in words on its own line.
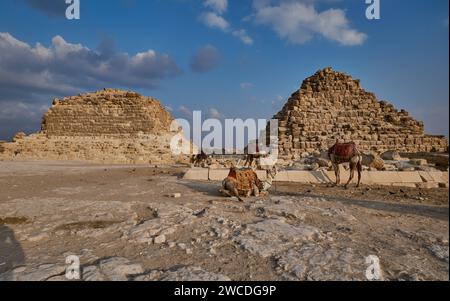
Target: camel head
column 272, row 172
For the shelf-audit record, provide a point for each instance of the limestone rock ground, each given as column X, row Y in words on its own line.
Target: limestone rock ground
column 123, row 224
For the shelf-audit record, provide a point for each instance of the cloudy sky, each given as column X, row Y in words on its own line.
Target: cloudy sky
column 228, row 58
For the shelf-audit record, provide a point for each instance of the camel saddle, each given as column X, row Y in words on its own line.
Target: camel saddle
column 343, row 151
column 245, row 179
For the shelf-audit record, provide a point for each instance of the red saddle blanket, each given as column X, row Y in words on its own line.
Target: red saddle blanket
column 245, row 179
column 343, row 151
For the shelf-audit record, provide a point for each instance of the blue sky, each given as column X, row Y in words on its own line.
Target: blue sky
column 235, row 59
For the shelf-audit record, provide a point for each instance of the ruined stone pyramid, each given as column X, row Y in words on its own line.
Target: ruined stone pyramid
column 332, row 106
column 107, row 126
column 109, row 112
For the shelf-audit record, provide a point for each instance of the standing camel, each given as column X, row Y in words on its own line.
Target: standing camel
column 346, row 153
column 250, row 158
column 199, row 159
column 255, row 156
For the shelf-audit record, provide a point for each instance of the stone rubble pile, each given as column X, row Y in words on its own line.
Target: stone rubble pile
column 319, row 161
column 388, row 161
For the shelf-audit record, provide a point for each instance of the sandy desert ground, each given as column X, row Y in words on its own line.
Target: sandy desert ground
column 124, row 224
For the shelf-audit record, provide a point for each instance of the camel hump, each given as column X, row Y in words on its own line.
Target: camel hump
column 232, row 173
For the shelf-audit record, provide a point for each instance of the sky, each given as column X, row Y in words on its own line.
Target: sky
column 227, row 58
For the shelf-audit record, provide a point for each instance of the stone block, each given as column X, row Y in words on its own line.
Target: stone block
column 419, row 162
column 427, row 185
column 443, row 185
column 426, row 177
column 217, row 174
column 410, row 177
column 282, row 176
column 296, row 176
column 410, row 185
column 262, row 175
column 196, row 174
column 439, row 176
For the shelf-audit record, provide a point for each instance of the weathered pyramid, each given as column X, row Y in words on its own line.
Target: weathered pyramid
column 109, row 112
column 331, row 105
column 108, row 126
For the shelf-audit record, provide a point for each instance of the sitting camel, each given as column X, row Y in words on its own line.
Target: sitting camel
column 245, row 183
column 346, row 153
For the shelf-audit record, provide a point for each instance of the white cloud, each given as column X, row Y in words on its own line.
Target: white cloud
column 219, row 6
column 185, row 111
column 65, row 67
column 246, row 85
column 213, row 20
column 12, row 110
column 214, row 113
column 278, row 100
column 30, row 76
column 243, row 36
column 299, row 22
column 19, row 116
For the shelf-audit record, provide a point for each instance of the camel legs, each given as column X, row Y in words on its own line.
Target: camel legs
column 359, row 167
column 256, row 191
column 229, row 189
column 355, row 165
column 337, row 173
column 232, row 193
column 249, row 161
column 258, row 163
column 352, row 173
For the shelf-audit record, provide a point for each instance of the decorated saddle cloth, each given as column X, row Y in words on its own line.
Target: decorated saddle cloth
column 343, row 152
column 245, row 179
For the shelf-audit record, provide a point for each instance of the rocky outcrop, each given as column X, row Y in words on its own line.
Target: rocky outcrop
column 108, row 126
column 333, row 106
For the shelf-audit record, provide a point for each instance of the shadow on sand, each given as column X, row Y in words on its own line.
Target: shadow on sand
column 11, row 253
column 435, row 212
column 207, row 188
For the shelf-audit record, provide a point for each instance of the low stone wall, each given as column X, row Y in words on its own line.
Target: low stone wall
column 144, row 149
column 421, row 179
